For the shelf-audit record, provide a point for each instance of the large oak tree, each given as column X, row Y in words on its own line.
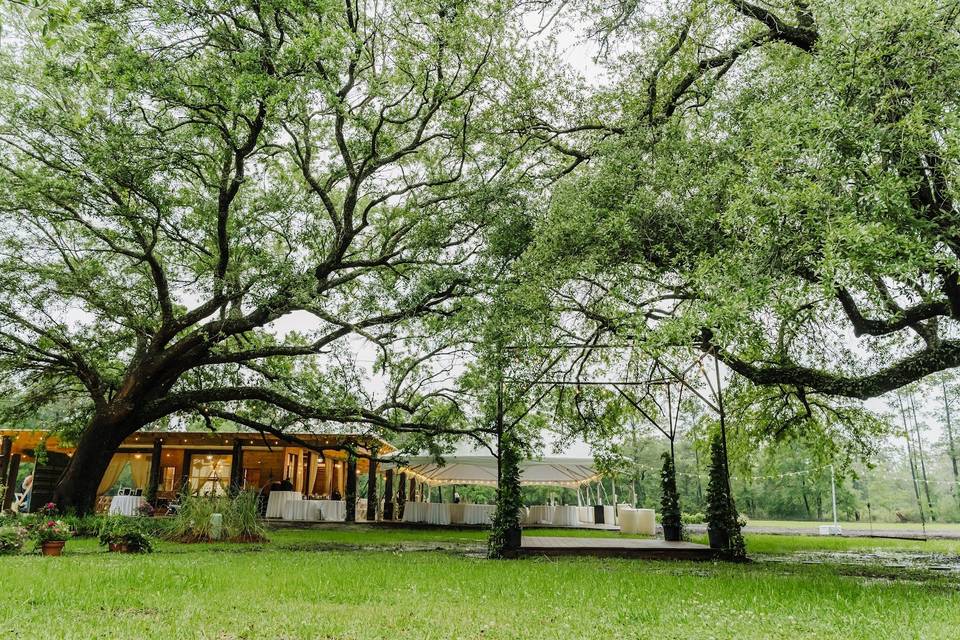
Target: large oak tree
column 177, row 177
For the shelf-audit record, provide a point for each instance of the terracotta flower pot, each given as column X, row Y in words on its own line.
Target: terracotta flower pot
column 52, row 547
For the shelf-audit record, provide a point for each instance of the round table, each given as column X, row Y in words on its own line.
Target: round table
column 278, row 499
column 478, row 513
column 305, row 510
column 126, row 505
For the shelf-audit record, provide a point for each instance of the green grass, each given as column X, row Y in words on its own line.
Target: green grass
column 307, row 584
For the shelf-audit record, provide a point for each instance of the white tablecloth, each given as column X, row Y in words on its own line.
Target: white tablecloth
column 478, row 513
column 541, row 514
column 334, row 510
column 301, row 510
column 457, row 510
column 438, row 513
column 126, row 505
column 566, row 516
column 278, row 499
column 585, row 514
column 641, row 521
column 415, row 512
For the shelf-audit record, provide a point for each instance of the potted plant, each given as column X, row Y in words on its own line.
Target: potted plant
column 122, row 536
column 670, row 501
column 51, row 536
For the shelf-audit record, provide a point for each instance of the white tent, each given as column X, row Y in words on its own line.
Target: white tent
column 471, row 464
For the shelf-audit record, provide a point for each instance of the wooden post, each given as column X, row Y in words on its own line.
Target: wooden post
column 372, row 488
column 351, row 496
column 388, row 495
column 153, row 484
column 236, row 467
column 401, row 494
column 413, row 490
column 12, row 468
column 6, row 446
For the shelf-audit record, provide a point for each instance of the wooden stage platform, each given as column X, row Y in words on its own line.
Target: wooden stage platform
column 649, row 549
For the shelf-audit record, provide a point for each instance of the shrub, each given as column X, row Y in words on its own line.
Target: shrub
column 693, row 518
column 12, row 538
column 669, row 498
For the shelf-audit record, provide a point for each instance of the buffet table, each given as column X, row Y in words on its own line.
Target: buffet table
column 126, row 505
column 278, row 499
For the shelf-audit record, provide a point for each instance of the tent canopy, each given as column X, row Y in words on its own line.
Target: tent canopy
column 470, row 464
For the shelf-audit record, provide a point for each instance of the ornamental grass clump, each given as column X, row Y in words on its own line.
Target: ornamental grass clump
column 194, row 521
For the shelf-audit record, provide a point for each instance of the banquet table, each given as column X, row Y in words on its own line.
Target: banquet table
column 438, row 513
column 415, row 512
column 478, row 513
column 333, row 510
column 361, row 513
column 457, row 511
column 301, row 510
column 541, row 514
column 585, row 514
column 278, row 499
column 126, row 505
column 565, row 516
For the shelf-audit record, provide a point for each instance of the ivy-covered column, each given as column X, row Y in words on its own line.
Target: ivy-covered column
column 506, row 534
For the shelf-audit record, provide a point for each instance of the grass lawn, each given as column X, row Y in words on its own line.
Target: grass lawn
column 362, row 583
column 932, row 527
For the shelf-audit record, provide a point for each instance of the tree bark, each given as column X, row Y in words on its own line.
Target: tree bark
column 77, row 490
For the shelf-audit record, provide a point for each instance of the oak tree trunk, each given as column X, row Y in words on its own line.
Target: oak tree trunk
column 77, row 489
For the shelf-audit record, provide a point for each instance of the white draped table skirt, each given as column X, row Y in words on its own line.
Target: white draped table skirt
column 126, row 505
column 278, row 499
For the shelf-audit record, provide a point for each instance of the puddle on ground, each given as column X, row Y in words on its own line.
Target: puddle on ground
column 935, row 562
